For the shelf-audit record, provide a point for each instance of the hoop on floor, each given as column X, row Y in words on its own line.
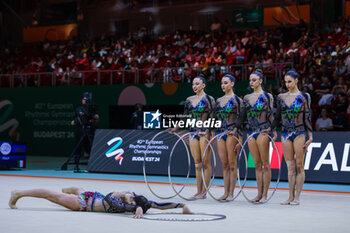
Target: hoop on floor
column 213, row 218
column 188, row 171
column 144, row 166
column 246, row 172
column 214, row 171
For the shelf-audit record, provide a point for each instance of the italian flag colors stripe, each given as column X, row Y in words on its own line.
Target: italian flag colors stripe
column 273, row 157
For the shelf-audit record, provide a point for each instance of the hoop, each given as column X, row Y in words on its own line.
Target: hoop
column 214, row 171
column 214, row 217
column 177, row 193
column 246, row 172
column 144, row 167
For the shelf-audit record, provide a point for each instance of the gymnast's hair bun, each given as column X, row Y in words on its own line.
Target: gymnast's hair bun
column 231, row 76
column 202, row 77
column 292, row 73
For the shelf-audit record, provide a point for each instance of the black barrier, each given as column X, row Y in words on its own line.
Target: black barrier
column 327, row 158
column 122, row 151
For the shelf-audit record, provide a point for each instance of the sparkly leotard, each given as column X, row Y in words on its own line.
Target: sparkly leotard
column 117, row 206
column 258, row 114
column 201, row 111
column 295, row 118
column 227, row 113
column 84, row 198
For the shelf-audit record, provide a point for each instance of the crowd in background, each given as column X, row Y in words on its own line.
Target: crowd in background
column 320, row 54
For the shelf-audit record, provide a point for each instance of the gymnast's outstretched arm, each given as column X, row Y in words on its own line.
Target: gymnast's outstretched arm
column 165, row 205
column 170, row 205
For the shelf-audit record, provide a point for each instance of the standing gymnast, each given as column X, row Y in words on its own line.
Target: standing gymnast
column 293, row 110
column 257, row 108
column 200, row 106
column 77, row 199
column 227, row 110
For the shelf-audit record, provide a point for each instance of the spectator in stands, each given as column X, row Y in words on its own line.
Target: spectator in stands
column 240, row 51
column 340, row 67
column 340, row 107
column 324, row 92
column 324, row 123
column 175, row 77
column 167, row 72
column 339, row 87
column 245, row 39
column 308, row 83
column 187, row 72
column 347, row 62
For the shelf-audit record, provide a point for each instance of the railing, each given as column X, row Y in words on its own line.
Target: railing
column 150, row 75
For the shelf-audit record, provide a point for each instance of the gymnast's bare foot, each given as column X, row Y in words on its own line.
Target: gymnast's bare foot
column 65, row 190
column 296, row 201
column 257, row 198
column 287, row 202
column 229, row 197
column 73, row 190
column 223, row 197
column 263, row 200
column 13, row 199
column 197, row 194
column 186, row 210
column 200, row 196
column 68, row 190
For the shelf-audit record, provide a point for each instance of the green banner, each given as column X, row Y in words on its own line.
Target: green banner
column 248, row 18
column 41, row 117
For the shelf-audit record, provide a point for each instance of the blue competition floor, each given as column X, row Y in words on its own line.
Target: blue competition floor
column 158, row 179
column 324, row 207
column 49, row 167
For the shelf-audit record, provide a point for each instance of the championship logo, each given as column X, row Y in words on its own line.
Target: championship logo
column 114, row 150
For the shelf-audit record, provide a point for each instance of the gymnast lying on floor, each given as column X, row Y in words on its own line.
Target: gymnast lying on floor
column 77, row 199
